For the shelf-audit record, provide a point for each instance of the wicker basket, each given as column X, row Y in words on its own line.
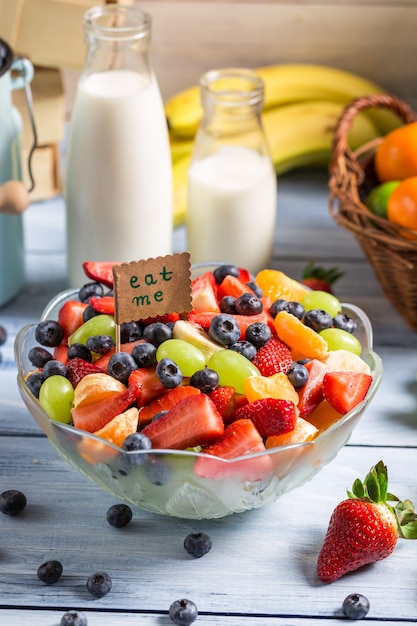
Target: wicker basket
column 351, row 177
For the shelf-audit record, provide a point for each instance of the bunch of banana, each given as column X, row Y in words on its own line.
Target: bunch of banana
column 302, row 105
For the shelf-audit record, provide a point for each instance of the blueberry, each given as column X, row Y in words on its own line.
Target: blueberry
column 3, row 335
column 318, row 319
column 130, row 331
column 205, row 380
column 183, row 612
column 222, row 271
column 168, row 373
column 277, row 306
column 99, row 584
column 224, row 329
column 135, row 442
column 197, row 544
column 258, row 333
column 50, row 572
column 227, row 304
column 355, row 606
column 248, row 304
column 12, row 502
column 39, row 356
column 49, row 333
column 121, row 365
column 296, row 309
column 34, row 382
column 255, row 288
column 73, row 618
column 119, row 515
column 344, row 322
column 101, row 344
column 297, row 375
column 54, row 368
column 157, row 333
column 89, row 312
column 245, row 348
column 144, row 354
column 90, row 290
column 157, row 470
column 79, row 351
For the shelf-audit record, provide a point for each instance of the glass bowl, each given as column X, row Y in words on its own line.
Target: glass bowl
column 164, row 481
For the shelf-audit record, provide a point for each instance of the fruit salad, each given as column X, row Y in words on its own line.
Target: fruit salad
column 258, row 365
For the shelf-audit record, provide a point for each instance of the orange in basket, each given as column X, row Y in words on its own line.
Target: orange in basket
column 276, row 285
column 396, row 155
column 402, row 205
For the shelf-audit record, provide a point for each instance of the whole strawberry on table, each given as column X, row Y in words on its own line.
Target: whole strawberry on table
column 365, row 528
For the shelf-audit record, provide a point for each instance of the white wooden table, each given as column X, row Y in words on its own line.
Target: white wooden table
column 262, row 567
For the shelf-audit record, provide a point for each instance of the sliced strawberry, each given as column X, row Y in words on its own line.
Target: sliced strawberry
column 164, row 319
column 271, row 416
column 151, row 386
column 78, row 368
column 223, row 398
column 103, row 361
column 232, row 286
column 165, row 402
column 191, row 422
column 70, row 316
column 103, row 305
column 96, row 415
column 100, row 271
column 203, row 293
column 344, row 390
column 61, row 352
column 245, row 275
column 311, row 394
column 273, row 357
column 239, row 438
column 204, row 318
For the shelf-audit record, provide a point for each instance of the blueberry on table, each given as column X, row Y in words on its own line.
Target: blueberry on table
column 73, row 618
column 355, row 606
column 50, row 572
column 197, row 544
column 12, row 502
column 119, row 515
column 183, row 612
column 99, row 584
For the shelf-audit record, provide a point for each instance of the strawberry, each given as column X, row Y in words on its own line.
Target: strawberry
column 273, row 357
column 151, row 386
column 100, row 271
column 311, row 393
column 232, row 286
column 319, row 278
column 241, row 437
column 61, row 352
column 165, row 402
column 103, row 305
column 204, row 293
column 364, row 528
column 271, row 416
column 344, row 390
column 70, row 316
column 78, row 368
column 190, row 422
column 96, row 415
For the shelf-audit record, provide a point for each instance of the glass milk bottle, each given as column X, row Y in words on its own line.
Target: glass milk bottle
column 118, row 176
column 232, row 187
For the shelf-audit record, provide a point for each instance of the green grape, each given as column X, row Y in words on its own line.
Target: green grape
column 232, row 368
column 188, row 358
column 322, row 300
column 97, row 325
column 56, row 397
column 338, row 339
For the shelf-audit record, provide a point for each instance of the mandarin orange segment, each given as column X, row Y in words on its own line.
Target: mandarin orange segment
column 277, row 285
column 324, row 416
column 298, row 337
column 303, row 431
column 120, row 427
column 275, row 386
